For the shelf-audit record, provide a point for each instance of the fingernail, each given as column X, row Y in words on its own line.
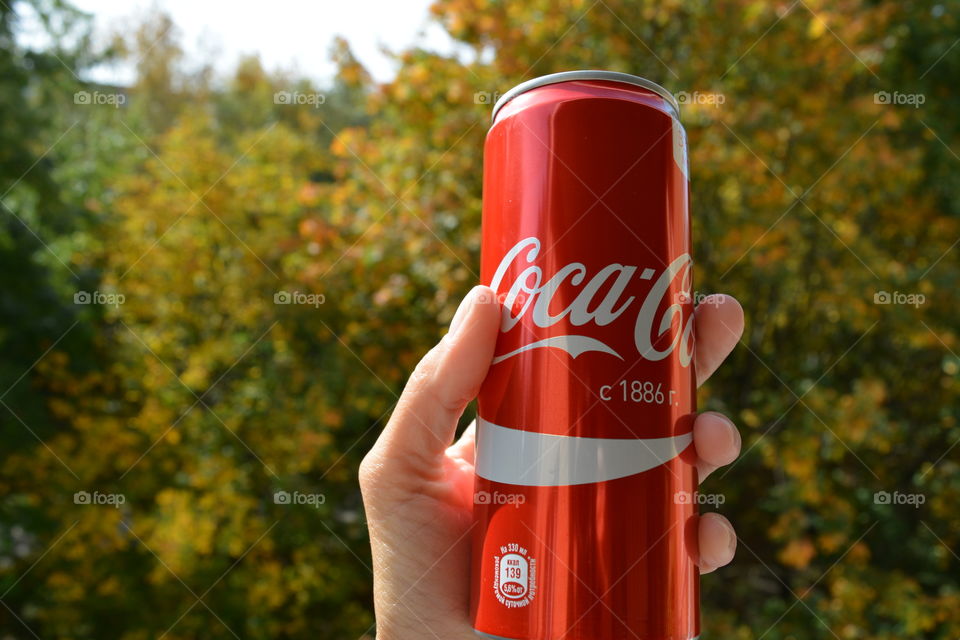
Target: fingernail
column 463, row 311
column 731, row 539
column 732, row 431
column 735, row 439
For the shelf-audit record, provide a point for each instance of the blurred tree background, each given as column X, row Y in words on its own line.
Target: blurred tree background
column 151, row 235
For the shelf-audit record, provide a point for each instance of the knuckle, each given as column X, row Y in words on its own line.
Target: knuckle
column 427, row 382
column 369, row 473
column 450, row 403
column 424, row 373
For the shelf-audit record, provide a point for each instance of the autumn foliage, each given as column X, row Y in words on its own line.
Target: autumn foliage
column 283, row 262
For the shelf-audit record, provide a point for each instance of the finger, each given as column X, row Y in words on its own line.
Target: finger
column 718, row 324
column 717, row 441
column 448, row 377
column 465, row 447
column 718, row 542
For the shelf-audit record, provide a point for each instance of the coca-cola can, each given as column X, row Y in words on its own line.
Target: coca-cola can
column 585, row 516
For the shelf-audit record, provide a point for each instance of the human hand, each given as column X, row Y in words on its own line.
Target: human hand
column 418, row 487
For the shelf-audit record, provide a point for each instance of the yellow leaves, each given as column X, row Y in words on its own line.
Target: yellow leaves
column 831, row 541
column 750, row 418
column 816, row 27
column 155, row 416
column 458, row 92
column 200, row 297
column 798, row 553
column 850, row 595
column 788, row 522
column 486, row 23
column 859, row 410
column 68, row 588
column 317, row 234
column 182, row 530
column 61, row 408
column 341, row 144
column 55, row 360
column 315, row 442
column 455, row 24
column 352, row 72
column 197, row 375
column 846, row 228
column 166, row 499
column 235, row 544
column 417, row 74
column 754, row 11
column 59, row 580
column 333, row 418
column 859, row 553
column 268, row 592
column 309, row 194
column 110, row 587
column 799, row 465
column 730, row 193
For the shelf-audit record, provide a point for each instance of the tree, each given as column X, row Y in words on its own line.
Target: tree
column 287, row 252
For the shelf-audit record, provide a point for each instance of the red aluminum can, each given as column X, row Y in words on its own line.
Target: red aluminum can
column 585, row 495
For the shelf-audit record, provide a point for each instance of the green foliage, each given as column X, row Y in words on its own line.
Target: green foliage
column 200, row 397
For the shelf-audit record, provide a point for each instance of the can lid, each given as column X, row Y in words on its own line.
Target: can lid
column 590, row 74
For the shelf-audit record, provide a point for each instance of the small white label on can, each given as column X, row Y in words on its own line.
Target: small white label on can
column 680, row 147
column 515, row 584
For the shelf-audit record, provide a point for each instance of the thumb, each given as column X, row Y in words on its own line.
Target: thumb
column 449, row 376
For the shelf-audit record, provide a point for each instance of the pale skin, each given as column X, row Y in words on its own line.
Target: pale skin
column 418, row 487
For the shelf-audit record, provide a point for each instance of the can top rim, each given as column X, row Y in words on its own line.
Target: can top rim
column 589, row 74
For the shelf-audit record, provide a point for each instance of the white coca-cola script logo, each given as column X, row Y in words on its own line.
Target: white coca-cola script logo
column 533, row 292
